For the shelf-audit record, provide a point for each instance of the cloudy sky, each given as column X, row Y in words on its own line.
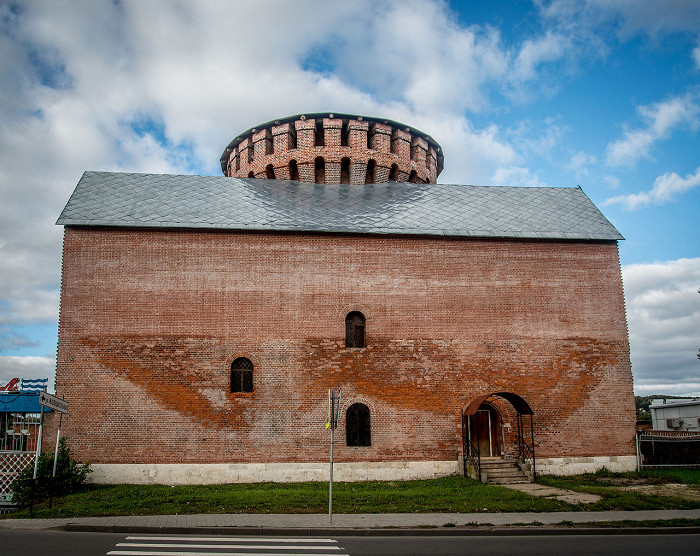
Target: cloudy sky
column 604, row 94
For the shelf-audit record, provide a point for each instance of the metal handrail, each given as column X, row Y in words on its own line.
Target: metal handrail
column 473, row 459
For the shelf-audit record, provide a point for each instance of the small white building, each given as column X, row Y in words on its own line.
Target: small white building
column 676, row 414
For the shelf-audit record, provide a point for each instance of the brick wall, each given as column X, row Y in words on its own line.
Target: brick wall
column 151, row 321
column 395, row 152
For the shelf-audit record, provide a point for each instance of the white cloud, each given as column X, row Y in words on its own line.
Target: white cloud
column 696, row 57
column 163, row 86
column 630, row 17
column 663, row 313
column 661, row 120
column 27, row 367
column 665, row 188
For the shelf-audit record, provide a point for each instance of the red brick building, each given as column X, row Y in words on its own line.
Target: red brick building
column 203, row 319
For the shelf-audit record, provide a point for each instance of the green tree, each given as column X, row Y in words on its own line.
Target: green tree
column 70, row 475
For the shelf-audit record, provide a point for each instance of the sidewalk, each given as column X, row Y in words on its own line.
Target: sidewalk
column 311, row 524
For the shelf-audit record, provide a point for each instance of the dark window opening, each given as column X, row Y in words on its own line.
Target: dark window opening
column 250, row 152
column 270, row 172
column 357, row 425
column 242, row 375
column 293, row 170
column 345, row 170
column 320, row 169
column 292, row 137
column 320, row 138
column 394, row 172
column 370, row 136
column 344, row 134
column 371, row 167
column 413, row 178
column 355, row 330
column 251, row 174
column 238, row 161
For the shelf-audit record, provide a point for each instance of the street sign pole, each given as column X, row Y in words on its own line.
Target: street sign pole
column 333, row 413
column 38, row 442
column 58, row 436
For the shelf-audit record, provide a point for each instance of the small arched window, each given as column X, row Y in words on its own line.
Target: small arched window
column 394, row 172
column 355, row 330
column 293, row 170
column 251, row 174
column 371, row 167
column 320, row 169
column 270, row 172
column 319, row 136
column 413, row 178
column 345, row 170
column 242, row 375
column 357, row 425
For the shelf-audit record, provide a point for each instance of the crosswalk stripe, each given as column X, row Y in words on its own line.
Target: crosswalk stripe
column 223, row 538
column 190, row 553
column 237, row 546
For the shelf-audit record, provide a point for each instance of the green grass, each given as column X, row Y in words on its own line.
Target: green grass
column 449, row 494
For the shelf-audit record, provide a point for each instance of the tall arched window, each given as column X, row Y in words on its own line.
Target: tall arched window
column 345, row 170
column 371, row 166
column 293, row 170
column 242, row 375
column 355, row 330
column 394, row 172
column 357, row 425
column 270, row 172
column 320, row 169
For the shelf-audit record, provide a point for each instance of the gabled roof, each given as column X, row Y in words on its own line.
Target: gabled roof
column 222, row 203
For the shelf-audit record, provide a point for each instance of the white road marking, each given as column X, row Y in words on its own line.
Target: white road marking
column 237, row 546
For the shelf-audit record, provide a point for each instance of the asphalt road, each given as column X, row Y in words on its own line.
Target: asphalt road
column 34, row 543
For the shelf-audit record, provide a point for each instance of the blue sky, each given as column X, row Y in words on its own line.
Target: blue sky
column 604, row 94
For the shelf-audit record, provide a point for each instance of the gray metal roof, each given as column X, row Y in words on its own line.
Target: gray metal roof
column 218, row 202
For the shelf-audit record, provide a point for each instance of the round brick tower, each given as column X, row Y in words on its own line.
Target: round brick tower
column 334, row 148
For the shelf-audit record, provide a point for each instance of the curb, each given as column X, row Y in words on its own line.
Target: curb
column 383, row 532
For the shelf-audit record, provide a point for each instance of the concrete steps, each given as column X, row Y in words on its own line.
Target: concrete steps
column 498, row 471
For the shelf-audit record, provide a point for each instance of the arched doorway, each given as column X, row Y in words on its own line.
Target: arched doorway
column 482, row 432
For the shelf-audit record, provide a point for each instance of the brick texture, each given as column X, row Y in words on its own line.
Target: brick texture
column 151, row 321
column 325, row 143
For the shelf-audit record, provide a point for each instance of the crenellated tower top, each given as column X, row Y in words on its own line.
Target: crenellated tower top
column 334, row 148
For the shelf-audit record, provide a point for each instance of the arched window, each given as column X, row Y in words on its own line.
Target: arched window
column 413, row 178
column 293, row 170
column 319, row 136
column 251, row 174
column 270, row 172
column 320, row 168
column 344, row 134
column 357, row 425
column 371, row 167
column 345, row 170
column 394, row 172
column 242, row 375
column 355, row 330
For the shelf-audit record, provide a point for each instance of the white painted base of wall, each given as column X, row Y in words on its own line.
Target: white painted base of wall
column 576, row 465
column 221, row 473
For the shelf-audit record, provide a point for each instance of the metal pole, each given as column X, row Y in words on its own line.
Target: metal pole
column 38, row 442
column 532, row 436
column 58, row 434
column 330, row 483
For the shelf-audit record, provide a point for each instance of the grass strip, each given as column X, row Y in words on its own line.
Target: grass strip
column 449, row 494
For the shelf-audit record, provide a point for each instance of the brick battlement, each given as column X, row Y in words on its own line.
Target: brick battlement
column 333, row 149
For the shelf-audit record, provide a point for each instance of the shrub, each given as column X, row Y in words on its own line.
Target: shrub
column 70, row 475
